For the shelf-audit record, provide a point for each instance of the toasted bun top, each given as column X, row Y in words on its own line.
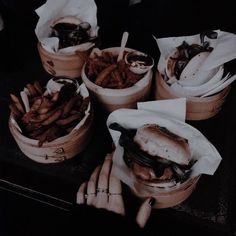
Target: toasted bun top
column 159, row 141
column 67, row 19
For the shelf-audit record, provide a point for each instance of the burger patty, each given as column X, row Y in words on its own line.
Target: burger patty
column 148, row 174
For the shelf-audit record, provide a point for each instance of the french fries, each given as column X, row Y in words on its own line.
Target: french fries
column 17, row 102
column 38, row 87
column 17, row 114
column 69, row 119
column 70, row 104
column 32, row 90
column 55, row 115
column 104, row 71
column 46, row 116
column 49, row 135
column 101, row 76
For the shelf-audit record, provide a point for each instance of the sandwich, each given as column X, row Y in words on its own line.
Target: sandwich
column 188, row 55
column 155, row 155
column 71, row 31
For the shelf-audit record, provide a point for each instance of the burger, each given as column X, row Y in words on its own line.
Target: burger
column 71, row 31
column 155, row 155
column 186, row 53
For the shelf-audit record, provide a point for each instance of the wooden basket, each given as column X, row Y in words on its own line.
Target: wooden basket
column 198, row 108
column 168, row 197
column 59, row 149
column 112, row 99
column 61, row 64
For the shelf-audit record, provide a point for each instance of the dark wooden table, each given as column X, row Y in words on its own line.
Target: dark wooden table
column 212, row 204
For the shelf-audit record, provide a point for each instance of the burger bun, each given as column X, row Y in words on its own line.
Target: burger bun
column 159, row 141
column 67, row 19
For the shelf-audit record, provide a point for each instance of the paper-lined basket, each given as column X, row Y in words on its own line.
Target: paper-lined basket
column 167, row 198
column 66, row 65
column 112, row 99
column 206, row 159
column 61, row 148
column 68, row 60
column 195, row 67
column 198, row 108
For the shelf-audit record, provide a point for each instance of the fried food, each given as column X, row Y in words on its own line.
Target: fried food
column 104, row 74
column 49, row 135
column 38, row 87
column 32, row 90
column 18, row 103
column 70, row 104
column 48, row 116
column 17, row 114
column 104, row 71
column 69, row 119
column 55, row 115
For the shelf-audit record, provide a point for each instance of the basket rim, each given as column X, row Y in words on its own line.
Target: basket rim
column 213, row 97
column 178, row 187
column 57, row 56
column 16, row 133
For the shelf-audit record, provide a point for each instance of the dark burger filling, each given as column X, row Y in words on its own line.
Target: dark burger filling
column 185, row 52
column 71, row 34
column 154, row 169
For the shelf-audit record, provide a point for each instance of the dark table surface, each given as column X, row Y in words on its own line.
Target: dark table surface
column 211, row 205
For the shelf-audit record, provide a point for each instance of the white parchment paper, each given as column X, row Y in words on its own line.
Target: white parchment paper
column 85, row 10
column 207, row 79
column 224, row 48
column 206, row 156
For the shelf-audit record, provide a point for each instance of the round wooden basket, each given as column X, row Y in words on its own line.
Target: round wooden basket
column 198, row 108
column 168, row 197
column 112, row 99
column 61, row 64
column 59, row 149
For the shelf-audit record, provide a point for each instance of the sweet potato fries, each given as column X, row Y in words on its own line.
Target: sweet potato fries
column 49, row 115
column 104, row 71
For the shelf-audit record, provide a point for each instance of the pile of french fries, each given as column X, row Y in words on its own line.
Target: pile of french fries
column 47, row 116
column 105, row 71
